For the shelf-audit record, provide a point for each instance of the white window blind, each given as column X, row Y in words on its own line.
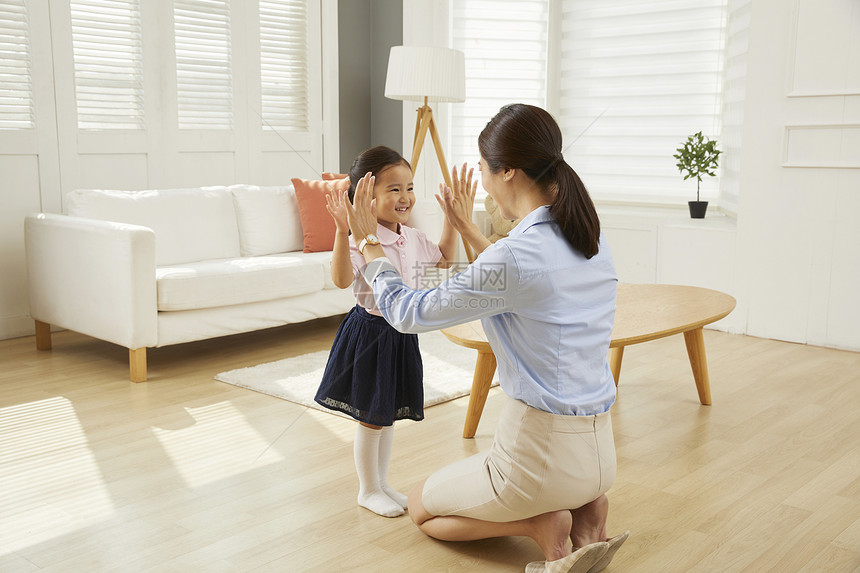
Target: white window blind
column 654, row 70
column 734, row 94
column 204, row 76
column 106, row 47
column 16, row 97
column 505, row 49
column 284, row 64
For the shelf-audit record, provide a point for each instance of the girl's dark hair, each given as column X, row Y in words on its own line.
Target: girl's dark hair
column 374, row 160
column 527, row 138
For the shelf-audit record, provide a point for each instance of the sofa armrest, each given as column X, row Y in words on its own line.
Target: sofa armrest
column 94, row 277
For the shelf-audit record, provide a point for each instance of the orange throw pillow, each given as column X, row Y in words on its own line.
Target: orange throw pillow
column 327, row 176
column 318, row 227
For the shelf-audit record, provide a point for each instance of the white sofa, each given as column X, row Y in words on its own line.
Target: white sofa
column 154, row 268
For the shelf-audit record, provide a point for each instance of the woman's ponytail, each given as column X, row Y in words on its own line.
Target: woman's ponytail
column 574, row 211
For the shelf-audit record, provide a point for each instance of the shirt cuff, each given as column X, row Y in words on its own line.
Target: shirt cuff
column 376, row 267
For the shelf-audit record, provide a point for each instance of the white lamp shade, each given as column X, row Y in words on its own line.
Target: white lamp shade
column 416, row 72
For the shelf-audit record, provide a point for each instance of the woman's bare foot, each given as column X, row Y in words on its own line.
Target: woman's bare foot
column 551, row 531
column 589, row 522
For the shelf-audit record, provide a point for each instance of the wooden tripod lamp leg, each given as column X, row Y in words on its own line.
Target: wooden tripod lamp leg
column 437, row 143
column 418, row 121
column 423, row 124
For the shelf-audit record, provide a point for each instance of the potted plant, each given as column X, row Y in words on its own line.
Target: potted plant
column 698, row 156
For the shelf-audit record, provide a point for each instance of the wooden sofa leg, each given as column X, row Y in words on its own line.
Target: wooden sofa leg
column 43, row 335
column 137, row 364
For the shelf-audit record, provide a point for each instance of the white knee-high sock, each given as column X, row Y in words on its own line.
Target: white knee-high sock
column 370, row 494
column 386, row 442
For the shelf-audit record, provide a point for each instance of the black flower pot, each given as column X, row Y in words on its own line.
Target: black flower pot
column 698, row 209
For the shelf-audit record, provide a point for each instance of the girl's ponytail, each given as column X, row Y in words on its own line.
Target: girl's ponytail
column 374, row 160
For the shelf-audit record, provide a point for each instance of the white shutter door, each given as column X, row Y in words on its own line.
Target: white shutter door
column 106, row 47
column 16, row 97
column 284, row 65
column 203, row 64
column 505, row 47
column 654, row 70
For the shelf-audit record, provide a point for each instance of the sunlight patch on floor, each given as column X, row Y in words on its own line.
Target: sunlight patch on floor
column 50, row 481
column 220, row 443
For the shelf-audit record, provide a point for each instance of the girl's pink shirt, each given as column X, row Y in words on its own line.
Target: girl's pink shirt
column 410, row 251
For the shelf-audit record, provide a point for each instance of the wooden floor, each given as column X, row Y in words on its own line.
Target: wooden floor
column 187, row 474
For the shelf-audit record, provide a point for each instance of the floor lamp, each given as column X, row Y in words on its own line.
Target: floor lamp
column 424, row 73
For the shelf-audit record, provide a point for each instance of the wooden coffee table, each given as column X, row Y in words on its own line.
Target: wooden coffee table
column 643, row 312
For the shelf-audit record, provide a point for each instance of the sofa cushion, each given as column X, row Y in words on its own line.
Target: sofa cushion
column 189, row 224
column 329, row 176
column 268, row 219
column 227, row 282
column 323, row 258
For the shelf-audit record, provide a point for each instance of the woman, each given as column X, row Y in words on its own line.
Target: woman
column 546, row 295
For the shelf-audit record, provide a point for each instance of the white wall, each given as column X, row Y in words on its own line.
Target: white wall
column 798, row 237
column 367, row 31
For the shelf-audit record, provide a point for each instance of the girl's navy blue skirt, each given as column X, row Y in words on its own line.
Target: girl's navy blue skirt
column 374, row 373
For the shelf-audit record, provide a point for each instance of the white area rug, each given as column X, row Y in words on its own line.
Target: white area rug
column 448, row 370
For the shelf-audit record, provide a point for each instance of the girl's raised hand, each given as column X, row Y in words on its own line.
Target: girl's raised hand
column 335, row 204
column 361, row 213
column 457, row 202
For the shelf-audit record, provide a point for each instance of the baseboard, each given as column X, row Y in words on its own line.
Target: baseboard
column 16, row 326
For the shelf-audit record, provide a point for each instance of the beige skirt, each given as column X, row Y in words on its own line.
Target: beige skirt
column 539, row 462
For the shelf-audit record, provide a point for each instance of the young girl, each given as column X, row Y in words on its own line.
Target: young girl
column 374, row 373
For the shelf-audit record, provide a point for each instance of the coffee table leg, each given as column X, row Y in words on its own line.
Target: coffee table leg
column 695, row 341
column 481, row 381
column 615, row 355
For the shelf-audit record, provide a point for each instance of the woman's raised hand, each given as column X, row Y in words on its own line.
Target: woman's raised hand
column 457, row 202
column 361, row 213
column 335, row 204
